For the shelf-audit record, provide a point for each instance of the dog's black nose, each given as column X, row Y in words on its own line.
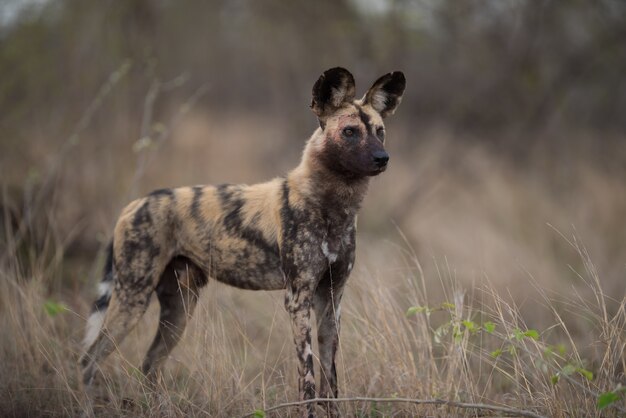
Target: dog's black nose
column 381, row 158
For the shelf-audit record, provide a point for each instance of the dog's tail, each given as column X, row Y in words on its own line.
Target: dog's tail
column 105, row 288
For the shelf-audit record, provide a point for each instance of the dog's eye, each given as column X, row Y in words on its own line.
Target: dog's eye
column 349, row 132
column 380, row 133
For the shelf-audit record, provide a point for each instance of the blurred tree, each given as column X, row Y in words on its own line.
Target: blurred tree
column 476, row 66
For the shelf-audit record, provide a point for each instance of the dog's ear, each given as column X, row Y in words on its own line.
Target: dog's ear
column 331, row 90
column 386, row 93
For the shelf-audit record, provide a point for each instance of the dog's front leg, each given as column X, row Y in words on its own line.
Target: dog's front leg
column 327, row 312
column 298, row 302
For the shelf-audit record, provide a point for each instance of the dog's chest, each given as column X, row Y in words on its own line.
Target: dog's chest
column 338, row 236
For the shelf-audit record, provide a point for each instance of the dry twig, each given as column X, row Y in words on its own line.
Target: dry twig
column 463, row 405
column 151, row 139
column 34, row 200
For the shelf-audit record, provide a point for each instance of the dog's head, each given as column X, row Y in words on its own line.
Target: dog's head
column 353, row 132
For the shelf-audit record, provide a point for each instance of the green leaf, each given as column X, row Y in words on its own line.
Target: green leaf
column 448, row 305
column 588, row 375
column 532, row 333
column 259, row 413
column 555, row 379
column 568, row 370
column 470, row 326
column 489, row 326
column 416, row 309
column 53, row 308
column 518, row 334
column 606, row 399
column 496, row 353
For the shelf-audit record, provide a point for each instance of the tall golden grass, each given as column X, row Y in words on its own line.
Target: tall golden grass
column 479, row 279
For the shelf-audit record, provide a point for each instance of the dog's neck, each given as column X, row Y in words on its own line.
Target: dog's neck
column 337, row 194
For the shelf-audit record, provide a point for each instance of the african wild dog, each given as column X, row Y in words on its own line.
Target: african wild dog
column 295, row 233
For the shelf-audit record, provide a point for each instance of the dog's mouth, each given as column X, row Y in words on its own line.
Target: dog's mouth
column 378, row 170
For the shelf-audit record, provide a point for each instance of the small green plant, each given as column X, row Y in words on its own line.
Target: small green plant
column 608, row 398
column 553, row 359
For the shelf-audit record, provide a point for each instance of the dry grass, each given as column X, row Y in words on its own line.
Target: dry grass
column 476, row 241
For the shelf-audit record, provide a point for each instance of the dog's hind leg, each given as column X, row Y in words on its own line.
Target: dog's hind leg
column 126, row 307
column 141, row 251
column 178, row 294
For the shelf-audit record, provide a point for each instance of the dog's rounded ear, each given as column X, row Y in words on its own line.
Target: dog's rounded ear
column 331, row 90
column 386, row 93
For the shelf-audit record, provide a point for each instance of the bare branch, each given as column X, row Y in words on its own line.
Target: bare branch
column 463, row 405
column 33, row 203
column 149, row 139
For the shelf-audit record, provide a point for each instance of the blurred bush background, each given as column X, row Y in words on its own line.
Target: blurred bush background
column 536, row 89
column 508, row 153
column 514, row 116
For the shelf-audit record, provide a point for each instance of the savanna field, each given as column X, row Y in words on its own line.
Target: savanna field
column 490, row 277
column 478, row 279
